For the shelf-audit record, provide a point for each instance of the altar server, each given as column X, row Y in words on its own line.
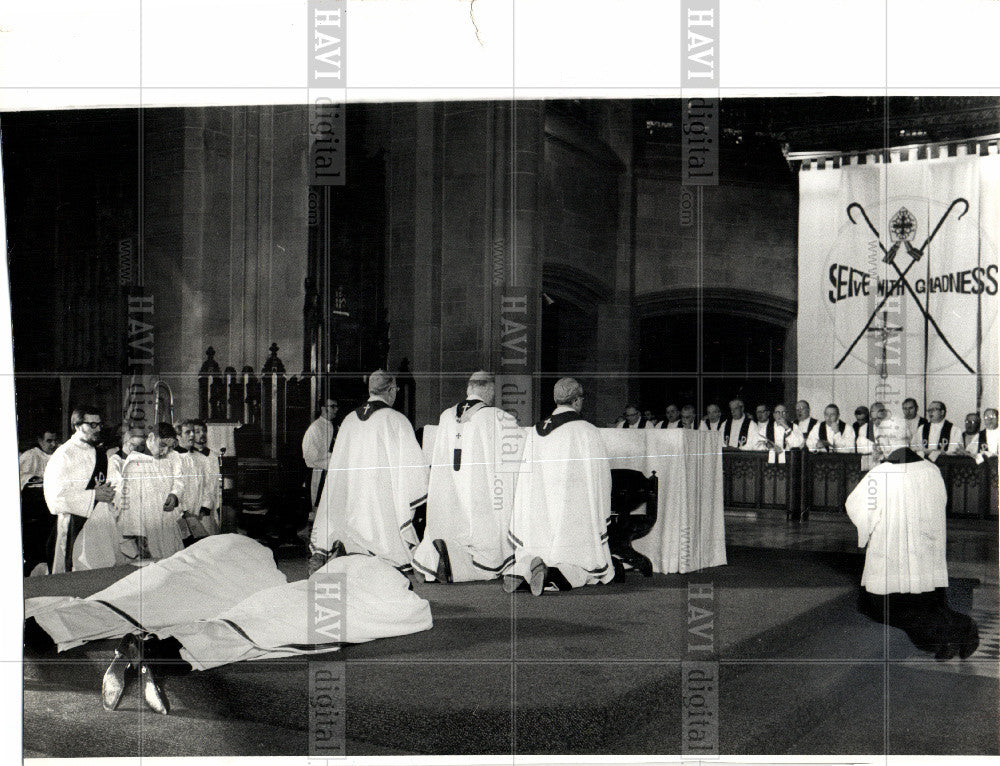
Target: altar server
column 317, row 444
column 475, row 460
column 152, row 485
column 562, row 502
column 31, row 463
column 898, row 508
column 376, row 481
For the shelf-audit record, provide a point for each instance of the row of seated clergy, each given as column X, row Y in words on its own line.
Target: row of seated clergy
column 137, row 502
column 541, row 522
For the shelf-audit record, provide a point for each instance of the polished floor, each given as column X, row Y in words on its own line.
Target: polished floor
column 973, row 546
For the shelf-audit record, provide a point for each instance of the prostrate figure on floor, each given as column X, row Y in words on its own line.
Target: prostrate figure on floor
column 471, row 490
column 562, row 502
column 244, row 610
column 376, row 482
column 899, row 510
column 76, row 491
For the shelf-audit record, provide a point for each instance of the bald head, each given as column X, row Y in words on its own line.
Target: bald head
column 481, row 386
column 382, row 384
column 890, row 435
column 569, row 392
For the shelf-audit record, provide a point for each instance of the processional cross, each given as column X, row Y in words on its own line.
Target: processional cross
column 884, row 332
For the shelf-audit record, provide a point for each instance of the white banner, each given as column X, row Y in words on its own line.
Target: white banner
column 898, row 284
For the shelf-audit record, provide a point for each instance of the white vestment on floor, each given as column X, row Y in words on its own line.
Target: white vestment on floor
column 562, row 501
column 146, row 483
column 224, row 600
column 376, row 478
column 899, row 510
column 469, row 507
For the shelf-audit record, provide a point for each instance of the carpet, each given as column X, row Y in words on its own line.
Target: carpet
column 596, row 670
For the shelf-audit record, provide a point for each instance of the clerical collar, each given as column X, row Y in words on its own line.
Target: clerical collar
column 560, row 416
column 903, row 455
column 372, row 406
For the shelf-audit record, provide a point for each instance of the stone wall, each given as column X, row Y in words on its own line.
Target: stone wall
column 225, row 238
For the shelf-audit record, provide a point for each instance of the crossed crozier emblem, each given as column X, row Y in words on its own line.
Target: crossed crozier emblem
column 903, row 226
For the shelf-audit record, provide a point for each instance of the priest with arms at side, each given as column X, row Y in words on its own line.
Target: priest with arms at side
column 468, row 499
column 562, row 502
column 376, row 481
column 899, row 510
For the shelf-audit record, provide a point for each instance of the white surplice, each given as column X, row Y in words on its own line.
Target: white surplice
column 469, row 508
column 316, row 452
column 562, row 503
column 31, row 464
column 66, row 477
column 376, row 479
column 146, row 483
column 899, row 510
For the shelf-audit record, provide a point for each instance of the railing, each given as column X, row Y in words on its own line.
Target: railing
column 821, row 481
column 279, row 404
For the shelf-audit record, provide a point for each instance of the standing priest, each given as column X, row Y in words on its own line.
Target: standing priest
column 376, row 481
column 562, row 502
column 899, row 510
column 76, row 490
column 470, row 494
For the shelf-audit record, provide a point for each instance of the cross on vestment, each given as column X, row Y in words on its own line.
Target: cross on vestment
column 547, row 423
column 884, row 332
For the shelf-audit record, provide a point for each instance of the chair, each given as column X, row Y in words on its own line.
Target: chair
column 633, row 514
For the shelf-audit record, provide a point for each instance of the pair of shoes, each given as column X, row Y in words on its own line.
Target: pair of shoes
column 133, row 654
column 126, row 658
column 443, row 573
column 536, row 580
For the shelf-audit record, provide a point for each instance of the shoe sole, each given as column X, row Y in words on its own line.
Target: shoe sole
column 511, row 583
column 538, row 572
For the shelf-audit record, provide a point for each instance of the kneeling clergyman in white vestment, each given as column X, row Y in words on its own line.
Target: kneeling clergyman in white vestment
column 224, row 600
column 470, row 495
column 152, row 486
column 899, row 510
column 376, row 480
column 562, row 502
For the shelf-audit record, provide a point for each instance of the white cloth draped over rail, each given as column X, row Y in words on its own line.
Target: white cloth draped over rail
column 225, row 601
column 689, row 533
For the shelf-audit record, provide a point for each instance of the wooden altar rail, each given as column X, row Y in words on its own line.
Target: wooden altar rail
column 821, row 481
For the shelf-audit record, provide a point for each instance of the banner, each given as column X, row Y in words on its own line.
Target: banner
column 898, row 284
